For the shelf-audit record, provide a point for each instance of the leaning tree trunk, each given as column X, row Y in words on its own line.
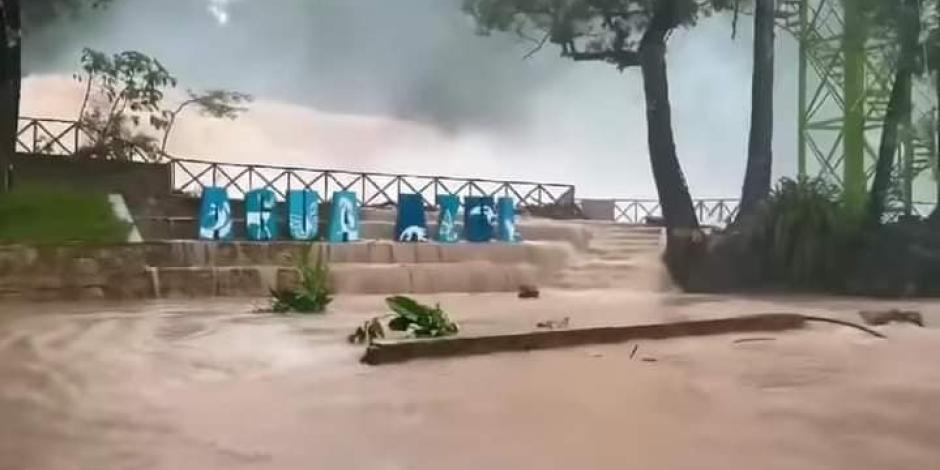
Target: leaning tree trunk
column 675, row 200
column 935, row 59
column 10, row 80
column 899, row 107
column 760, row 147
column 682, row 227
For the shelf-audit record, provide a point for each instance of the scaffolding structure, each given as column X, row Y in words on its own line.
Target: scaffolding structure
column 845, row 79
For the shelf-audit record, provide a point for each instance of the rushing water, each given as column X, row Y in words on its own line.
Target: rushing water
column 213, row 386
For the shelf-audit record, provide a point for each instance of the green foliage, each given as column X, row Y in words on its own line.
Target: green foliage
column 314, row 293
column 124, row 90
column 121, row 89
column 217, row 104
column 39, row 13
column 605, row 30
column 809, row 237
column 419, row 320
column 37, row 214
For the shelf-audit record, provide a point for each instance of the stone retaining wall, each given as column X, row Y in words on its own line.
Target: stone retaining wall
column 197, row 269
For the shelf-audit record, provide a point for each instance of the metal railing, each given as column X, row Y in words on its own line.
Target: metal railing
column 51, row 137
column 373, row 189
column 60, row 137
column 715, row 212
column 66, row 138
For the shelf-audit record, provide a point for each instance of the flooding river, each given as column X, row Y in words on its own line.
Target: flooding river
column 212, row 386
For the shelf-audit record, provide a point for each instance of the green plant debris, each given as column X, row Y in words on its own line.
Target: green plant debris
column 419, row 321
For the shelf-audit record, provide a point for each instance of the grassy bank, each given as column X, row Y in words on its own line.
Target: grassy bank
column 38, row 214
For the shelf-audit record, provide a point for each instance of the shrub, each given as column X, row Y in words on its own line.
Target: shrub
column 40, row 214
column 809, row 238
column 314, row 293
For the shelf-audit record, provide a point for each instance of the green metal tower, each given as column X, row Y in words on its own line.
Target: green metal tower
column 845, row 79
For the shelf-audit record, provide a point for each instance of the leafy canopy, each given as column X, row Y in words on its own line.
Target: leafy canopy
column 37, row 13
column 606, row 30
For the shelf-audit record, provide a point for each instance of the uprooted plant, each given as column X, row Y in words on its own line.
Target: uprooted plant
column 314, row 292
column 414, row 319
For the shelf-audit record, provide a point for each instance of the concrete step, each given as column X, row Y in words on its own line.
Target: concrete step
column 601, row 248
column 196, row 254
column 187, row 228
column 623, row 256
column 620, row 229
column 585, row 281
column 627, row 236
column 350, row 278
column 623, row 250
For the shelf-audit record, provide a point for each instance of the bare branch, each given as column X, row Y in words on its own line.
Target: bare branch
column 538, row 46
column 622, row 59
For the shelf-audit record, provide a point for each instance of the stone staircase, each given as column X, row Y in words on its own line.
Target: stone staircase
column 619, row 256
column 195, row 269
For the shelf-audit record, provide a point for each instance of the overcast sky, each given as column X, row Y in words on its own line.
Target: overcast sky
column 412, row 79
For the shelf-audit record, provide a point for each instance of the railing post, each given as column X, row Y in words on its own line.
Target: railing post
column 172, row 166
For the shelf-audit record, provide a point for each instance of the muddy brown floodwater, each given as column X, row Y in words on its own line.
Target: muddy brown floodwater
column 198, row 385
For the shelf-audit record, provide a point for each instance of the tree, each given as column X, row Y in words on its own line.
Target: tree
column 213, row 103
column 624, row 33
column 38, row 13
column 757, row 178
column 130, row 85
column 10, row 82
column 128, row 88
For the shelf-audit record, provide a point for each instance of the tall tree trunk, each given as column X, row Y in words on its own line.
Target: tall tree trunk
column 10, row 79
column 899, row 107
column 675, row 200
column 683, row 238
column 760, row 146
column 935, row 60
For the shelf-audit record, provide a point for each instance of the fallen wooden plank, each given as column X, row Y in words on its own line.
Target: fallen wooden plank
column 391, row 351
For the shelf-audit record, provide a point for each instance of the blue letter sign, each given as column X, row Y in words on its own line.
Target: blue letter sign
column 215, row 216
column 304, row 214
column 479, row 218
column 507, row 221
column 447, row 221
column 344, row 218
column 411, row 224
column 260, row 217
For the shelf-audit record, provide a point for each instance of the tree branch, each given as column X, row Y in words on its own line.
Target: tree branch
column 622, row 58
column 537, row 47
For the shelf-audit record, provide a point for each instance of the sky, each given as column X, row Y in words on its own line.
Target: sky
column 408, row 86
